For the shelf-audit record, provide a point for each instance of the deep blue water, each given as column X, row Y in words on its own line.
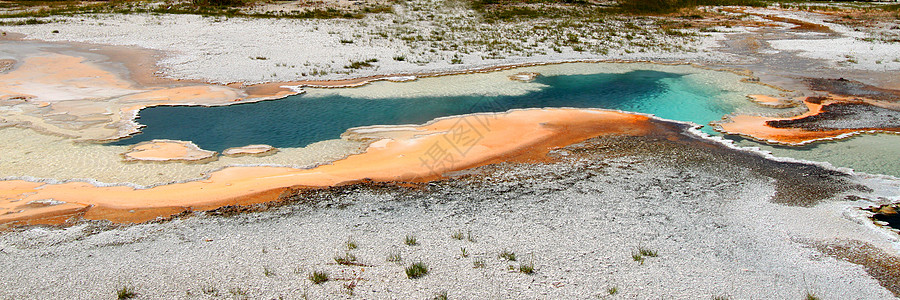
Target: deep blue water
column 297, row 121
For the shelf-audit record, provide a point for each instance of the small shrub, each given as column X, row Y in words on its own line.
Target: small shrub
column 125, row 292
column 416, row 270
column 361, row 64
column 350, row 244
column 478, row 263
column 349, row 287
column 507, row 255
column 810, row 296
column 647, row 252
column 668, row 6
column 470, row 237
column 318, row 277
column 612, row 290
column 410, row 240
column 636, row 256
column 526, row 268
column 210, row 290
column 343, row 41
column 442, row 295
column 33, row 21
column 400, row 58
column 346, row 259
column 218, row 3
column 237, row 291
column 394, row 257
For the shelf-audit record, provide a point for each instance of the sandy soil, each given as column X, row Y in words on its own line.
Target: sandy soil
column 255, row 150
column 766, row 100
column 167, row 151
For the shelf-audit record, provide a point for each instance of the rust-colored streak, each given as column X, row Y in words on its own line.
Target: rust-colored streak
column 757, row 127
column 801, row 25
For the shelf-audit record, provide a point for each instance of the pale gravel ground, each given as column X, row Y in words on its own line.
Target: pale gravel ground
column 712, row 224
column 225, row 50
column 848, row 50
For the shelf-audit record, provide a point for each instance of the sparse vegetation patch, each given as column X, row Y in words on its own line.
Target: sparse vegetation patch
column 318, row 277
column 125, row 292
column 411, row 240
column 416, row 270
column 361, row 64
column 507, row 255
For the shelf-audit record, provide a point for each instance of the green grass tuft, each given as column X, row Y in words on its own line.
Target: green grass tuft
column 210, row 290
column 361, row 64
column 507, row 255
column 442, row 295
column 470, row 237
column 237, row 291
column 318, row 277
column 416, row 270
column 478, row 263
column 349, row 288
column 670, row 6
column 647, row 252
column 350, row 244
column 411, row 240
column 125, row 292
column 612, row 290
column 394, row 257
column 526, row 268
column 636, row 256
column 346, row 259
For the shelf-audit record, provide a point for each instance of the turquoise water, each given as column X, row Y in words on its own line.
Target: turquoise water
column 870, row 153
column 297, row 121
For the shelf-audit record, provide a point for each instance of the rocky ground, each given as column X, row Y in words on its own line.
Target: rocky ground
column 844, row 115
column 703, row 210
